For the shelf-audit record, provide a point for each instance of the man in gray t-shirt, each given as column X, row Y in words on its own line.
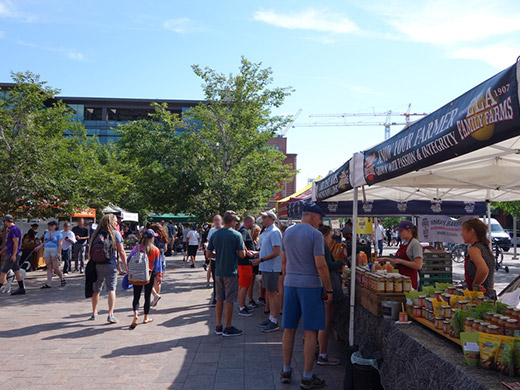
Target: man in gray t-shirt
column 305, row 271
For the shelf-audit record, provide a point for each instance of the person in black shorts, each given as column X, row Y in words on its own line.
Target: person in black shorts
column 10, row 250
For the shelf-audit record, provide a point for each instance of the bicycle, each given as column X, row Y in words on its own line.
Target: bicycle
column 498, row 252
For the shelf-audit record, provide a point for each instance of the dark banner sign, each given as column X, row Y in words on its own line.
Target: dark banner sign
column 383, row 208
column 335, row 183
column 485, row 115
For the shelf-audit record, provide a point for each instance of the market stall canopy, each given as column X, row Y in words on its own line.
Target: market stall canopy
column 125, row 215
column 171, row 217
column 306, row 192
column 386, row 208
column 87, row 213
column 467, row 150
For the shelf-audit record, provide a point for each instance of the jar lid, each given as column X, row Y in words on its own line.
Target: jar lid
column 512, row 321
column 485, row 323
column 494, row 327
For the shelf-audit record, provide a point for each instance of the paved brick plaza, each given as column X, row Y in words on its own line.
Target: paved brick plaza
column 47, row 342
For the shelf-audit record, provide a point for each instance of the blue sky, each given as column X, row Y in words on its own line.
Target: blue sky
column 339, row 56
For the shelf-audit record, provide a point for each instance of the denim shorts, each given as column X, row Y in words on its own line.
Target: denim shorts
column 106, row 274
column 304, row 303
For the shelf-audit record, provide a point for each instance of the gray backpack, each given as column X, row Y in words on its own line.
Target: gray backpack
column 138, row 268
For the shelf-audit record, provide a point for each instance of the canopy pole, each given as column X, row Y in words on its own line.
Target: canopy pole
column 488, row 204
column 515, row 254
column 353, row 267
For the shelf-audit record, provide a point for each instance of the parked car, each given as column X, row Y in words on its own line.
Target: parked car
column 510, row 232
column 499, row 235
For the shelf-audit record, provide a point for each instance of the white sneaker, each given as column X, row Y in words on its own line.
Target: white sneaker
column 155, row 300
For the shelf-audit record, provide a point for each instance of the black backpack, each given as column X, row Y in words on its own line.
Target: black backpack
column 101, row 249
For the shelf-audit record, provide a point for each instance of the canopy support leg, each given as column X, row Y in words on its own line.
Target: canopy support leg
column 353, row 267
column 515, row 254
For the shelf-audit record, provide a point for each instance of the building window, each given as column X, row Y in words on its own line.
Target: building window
column 93, row 114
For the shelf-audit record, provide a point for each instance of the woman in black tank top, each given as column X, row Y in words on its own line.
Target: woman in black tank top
column 479, row 266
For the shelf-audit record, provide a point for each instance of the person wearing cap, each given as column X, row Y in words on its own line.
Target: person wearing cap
column 146, row 244
column 10, row 252
column 306, row 274
column 409, row 257
column 52, row 245
column 226, row 245
column 270, row 264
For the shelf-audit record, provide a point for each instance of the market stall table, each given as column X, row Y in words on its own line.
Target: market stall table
column 414, row 357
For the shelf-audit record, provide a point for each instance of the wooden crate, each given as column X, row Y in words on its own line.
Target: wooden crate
column 372, row 301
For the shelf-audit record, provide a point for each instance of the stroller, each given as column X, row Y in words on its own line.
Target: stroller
column 179, row 245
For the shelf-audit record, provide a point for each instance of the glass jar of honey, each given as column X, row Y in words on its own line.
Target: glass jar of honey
column 512, row 328
column 468, row 324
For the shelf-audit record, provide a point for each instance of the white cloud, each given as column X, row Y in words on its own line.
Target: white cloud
column 75, row 55
column 446, row 22
column 8, row 10
column 309, row 19
column 499, row 56
column 182, row 26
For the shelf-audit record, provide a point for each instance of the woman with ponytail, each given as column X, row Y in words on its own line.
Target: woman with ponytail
column 408, row 259
column 479, row 266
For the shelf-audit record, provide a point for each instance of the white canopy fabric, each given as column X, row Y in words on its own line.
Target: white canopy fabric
column 468, row 150
column 125, row 215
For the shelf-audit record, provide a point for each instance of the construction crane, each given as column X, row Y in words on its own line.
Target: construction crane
column 387, row 123
column 290, row 124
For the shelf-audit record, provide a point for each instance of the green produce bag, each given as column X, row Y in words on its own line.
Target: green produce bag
column 470, row 348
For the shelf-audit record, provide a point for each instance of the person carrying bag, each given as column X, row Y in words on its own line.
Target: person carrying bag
column 143, row 267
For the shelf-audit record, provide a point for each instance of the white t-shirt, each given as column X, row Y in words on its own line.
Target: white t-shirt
column 193, row 238
column 211, row 231
column 380, row 232
column 67, row 244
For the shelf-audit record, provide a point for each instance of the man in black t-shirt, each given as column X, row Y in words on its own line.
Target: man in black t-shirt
column 79, row 249
column 245, row 268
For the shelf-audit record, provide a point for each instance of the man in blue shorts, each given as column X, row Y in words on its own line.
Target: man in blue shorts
column 304, row 269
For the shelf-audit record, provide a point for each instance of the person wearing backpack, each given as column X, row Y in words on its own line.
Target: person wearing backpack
column 106, row 242
column 145, row 247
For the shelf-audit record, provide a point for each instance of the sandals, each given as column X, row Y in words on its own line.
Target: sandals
column 133, row 325
column 45, row 286
column 148, row 321
column 63, row 282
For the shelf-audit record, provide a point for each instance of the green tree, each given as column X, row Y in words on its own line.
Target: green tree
column 216, row 157
column 49, row 166
column 511, row 208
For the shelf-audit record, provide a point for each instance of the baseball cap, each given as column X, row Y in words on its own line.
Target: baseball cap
column 52, row 223
column 313, row 208
column 230, row 214
column 8, row 218
column 404, row 225
column 34, row 224
column 149, row 233
column 269, row 213
column 347, row 230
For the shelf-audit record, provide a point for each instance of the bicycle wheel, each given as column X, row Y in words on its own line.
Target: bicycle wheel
column 458, row 253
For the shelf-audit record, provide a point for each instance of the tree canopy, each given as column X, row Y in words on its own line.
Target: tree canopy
column 216, row 157
column 49, row 166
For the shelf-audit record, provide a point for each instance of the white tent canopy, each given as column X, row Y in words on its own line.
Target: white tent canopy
column 125, row 215
column 468, row 150
column 491, row 173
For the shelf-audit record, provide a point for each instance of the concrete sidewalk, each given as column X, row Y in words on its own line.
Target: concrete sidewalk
column 48, row 342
